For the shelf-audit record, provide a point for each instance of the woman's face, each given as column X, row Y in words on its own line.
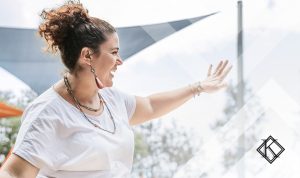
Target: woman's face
column 107, row 62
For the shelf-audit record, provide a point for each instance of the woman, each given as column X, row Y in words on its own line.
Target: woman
column 81, row 126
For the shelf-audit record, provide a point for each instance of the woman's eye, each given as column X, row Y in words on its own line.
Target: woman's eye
column 115, row 52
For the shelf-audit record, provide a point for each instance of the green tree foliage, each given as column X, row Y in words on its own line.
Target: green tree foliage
column 160, row 149
column 8, row 133
column 9, row 127
column 248, row 138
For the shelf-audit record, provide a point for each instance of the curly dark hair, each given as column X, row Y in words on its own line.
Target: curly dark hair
column 69, row 28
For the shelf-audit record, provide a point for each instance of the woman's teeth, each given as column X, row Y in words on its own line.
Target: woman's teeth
column 112, row 73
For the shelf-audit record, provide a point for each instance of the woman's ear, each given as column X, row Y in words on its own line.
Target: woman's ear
column 85, row 56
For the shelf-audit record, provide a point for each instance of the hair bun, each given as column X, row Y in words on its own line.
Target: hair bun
column 60, row 22
column 69, row 28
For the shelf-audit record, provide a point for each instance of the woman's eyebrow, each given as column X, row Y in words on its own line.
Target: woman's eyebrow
column 115, row 48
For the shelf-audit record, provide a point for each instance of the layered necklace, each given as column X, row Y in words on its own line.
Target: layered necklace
column 79, row 105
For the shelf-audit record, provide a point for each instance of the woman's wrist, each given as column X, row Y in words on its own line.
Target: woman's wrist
column 196, row 88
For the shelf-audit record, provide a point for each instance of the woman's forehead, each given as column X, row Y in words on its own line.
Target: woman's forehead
column 112, row 42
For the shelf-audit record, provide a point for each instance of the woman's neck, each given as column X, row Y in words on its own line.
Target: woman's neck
column 84, row 87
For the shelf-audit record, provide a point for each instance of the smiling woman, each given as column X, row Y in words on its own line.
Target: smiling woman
column 81, row 126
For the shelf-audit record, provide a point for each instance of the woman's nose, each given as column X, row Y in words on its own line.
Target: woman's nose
column 119, row 61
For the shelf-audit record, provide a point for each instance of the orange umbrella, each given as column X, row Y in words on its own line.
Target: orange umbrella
column 8, row 111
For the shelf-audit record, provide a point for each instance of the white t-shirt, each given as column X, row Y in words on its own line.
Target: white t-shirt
column 56, row 138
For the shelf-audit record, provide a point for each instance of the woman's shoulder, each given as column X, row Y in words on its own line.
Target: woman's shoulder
column 112, row 92
column 44, row 104
column 108, row 90
column 40, row 115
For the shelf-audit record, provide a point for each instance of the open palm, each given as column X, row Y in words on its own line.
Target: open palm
column 214, row 81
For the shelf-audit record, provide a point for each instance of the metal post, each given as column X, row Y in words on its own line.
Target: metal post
column 240, row 100
column 240, row 94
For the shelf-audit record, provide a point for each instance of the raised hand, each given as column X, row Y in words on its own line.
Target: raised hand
column 214, row 81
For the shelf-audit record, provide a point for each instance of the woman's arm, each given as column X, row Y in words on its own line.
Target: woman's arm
column 160, row 104
column 17, row 167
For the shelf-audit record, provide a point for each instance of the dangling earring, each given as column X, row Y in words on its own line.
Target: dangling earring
column 97, row 80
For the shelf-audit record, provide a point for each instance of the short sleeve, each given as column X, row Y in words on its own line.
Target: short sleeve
column 36, row 142
column 129, row 101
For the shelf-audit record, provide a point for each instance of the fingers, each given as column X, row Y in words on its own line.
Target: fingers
column 226, row 71
column 218, row 67
column 209, row 70
column 222, row 67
